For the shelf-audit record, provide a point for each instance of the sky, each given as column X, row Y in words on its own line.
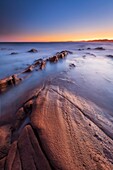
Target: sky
column 55, row 20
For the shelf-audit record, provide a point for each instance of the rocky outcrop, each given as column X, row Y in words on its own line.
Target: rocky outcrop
column 43, row 65
column 33, row 50
column 59, row 55
column 26, row 153
column 40, row 63
column 67, row 134
column 28, row 69
column 5, row 140
column 11, row 80
column 99, row 48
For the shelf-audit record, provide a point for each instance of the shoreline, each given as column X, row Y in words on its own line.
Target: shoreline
column 52, row 126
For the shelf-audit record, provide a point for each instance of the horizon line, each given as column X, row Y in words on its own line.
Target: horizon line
column 92, row 40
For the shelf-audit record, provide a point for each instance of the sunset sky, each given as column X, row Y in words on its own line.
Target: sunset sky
column 55, row 20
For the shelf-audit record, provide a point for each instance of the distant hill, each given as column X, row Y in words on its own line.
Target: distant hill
column 101, row 40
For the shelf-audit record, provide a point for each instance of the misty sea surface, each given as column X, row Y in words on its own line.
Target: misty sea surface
column 93, row 74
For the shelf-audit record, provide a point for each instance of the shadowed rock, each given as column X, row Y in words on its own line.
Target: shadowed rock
column 37, row 62
column 26, row 154
column 99, row 48
column 72, row 65
column 5, row 140
column 110, row 56
column 53, row 59
column 33, row 50
column 28, row 69
column 13, row 53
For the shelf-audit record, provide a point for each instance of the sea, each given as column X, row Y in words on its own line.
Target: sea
column 93, row 72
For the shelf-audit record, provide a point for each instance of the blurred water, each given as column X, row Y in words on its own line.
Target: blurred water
column 93, row 73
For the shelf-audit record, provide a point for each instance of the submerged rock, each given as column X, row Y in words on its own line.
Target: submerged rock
column 99, row 48
column 33, row 50
column 110, row 56
column 72, row 65
column 13, row 53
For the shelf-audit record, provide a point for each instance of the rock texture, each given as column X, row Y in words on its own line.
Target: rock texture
column 26, row 154
column 67, row 134
column 64, row 133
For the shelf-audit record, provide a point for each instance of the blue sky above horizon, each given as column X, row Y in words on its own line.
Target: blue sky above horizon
column 55, row 20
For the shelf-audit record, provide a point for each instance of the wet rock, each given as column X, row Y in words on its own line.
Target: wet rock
column 5, row 140
column 5, row 82
column 11, row 80
column 99, row 48
column 20, row 116
column 72, row 65
column 33, row 50
column 42, row 65
column 80, row 49
column 53, row 59
column 28, row 107
column 28, row 69
column 13, row 53
column 15, row 79
column 110, row 56
column 37, row 62
column 65, row 52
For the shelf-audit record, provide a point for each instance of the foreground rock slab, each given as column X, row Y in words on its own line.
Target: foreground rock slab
column 69, row 138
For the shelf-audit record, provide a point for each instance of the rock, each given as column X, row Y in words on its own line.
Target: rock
column 42, row 65
column 13, row 53
column 15, row 79
column 110, row 56
column 33, row 50
column 5, row 82
column 5, row 140
column 61, row 55
column 63, row 128
column 99, row 48
column 28, row 69
column 28, row 107
column 53, row 59
column 20, row 116
column 72, row 65
column 2, row 163
column 88, row 48
column 11, row 80
column 80, row 49
column 37, row 62
column 64, row 52
column 26, row 153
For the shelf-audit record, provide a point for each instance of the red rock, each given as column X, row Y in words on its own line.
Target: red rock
column 5, row 140
column 43, row 64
